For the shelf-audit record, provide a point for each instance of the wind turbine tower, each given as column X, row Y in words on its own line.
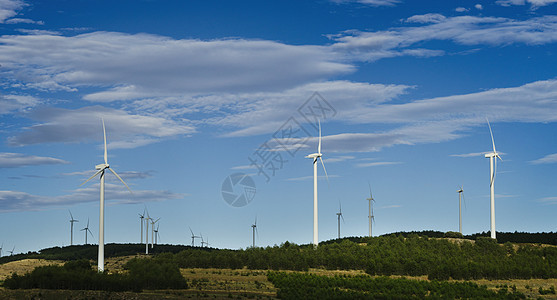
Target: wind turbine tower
column 493, row 170
column 253, row 231
column 370, row 217
column 153, row 231
column 86, row 229
column 315, row 157
column 460, row 191
column 339, row 216
column 101, row 170
column 193, row 237
column 72, row 220
column 141, row 217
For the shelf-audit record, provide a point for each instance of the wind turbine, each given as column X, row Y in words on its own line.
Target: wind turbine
column 72, row 220
column 254, row 231
column 193, row 237
column 370, row 217
column 141, row 217
column 156, row 233
column 460, row 194
column 315, row 157
column 493, row 170
column 86, row 229
column 147, row 233
column 101, row 169
column 153, row 231
column 339, row 215
column 12, row 252
column 1, row 249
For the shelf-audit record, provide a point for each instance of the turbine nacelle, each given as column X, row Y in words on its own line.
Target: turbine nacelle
column 102, row 167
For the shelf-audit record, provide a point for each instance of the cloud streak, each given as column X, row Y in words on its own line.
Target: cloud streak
column 15, row 160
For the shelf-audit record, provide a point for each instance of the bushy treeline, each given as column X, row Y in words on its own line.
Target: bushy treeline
column 389, row 255
column 548, row 238
column 310, row 286
column 79, row 275
column 76, row 252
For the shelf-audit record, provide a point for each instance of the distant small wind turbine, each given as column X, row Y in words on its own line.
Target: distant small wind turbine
column 254, row 231
column 1, row 249
column 339, row 216
column 141, row 217
column 153, row 231
column 315, row 157
column 12, row 252
column 460, row 195
column 101, row 169
column 493, row 170
column 86, row 229
column 72, row 220
column 147, row 233
column 193, row 237
column 157, row 234
column 371, row 218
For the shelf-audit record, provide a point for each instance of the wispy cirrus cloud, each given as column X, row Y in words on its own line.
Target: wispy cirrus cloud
column 10, row 8
column 15, row 160
column 11, row 201
column 548, row 159
column 548, row 200
column 534, row 3
column 378, row 164
column 370, row 2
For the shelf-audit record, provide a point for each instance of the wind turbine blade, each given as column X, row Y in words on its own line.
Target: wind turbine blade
column 98, row 172
column 369, row 189
column 87, row 223
column 71, row 214
column 191, row 231
column 327, row 176
column 491, row 132
column 319, row 144
column 104, row 134
column 114, row 172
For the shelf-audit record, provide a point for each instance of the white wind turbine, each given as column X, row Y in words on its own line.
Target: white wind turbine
column 147, row 233
column 1, row 249
column 101, row 170
column 315, row 157
column 193, row 237
column 339, row 216
column 72, row 220
column 371, row 218
column 153, row 231
column 86, row 229
column 493, row 170
column 12, row 252
column 141, row 217
column 157, row 234
column 254, row 231
column 460, row 197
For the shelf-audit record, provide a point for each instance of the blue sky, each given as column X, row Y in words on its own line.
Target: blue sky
column 190, row 91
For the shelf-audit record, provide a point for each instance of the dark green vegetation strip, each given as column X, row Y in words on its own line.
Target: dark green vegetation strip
column 79, row 275
column 389, row 255
column 310, row 286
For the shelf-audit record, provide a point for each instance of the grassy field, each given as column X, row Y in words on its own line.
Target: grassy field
column 211, row 283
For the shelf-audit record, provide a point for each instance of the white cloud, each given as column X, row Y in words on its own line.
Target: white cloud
column 461, row 9
column 548, row 159
column 9, row 8
column 475, row 154
column 370, row 2
column 124, row 130
column 115, row 194
column 478, row 6
column 16, row 103
column 378, row 163
column 548, row 200
column 462, row 30
column 427, row 18
column 534, row 3
column 24, row 21
column 336, row 159
column 15, row 160
column 128, row 66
